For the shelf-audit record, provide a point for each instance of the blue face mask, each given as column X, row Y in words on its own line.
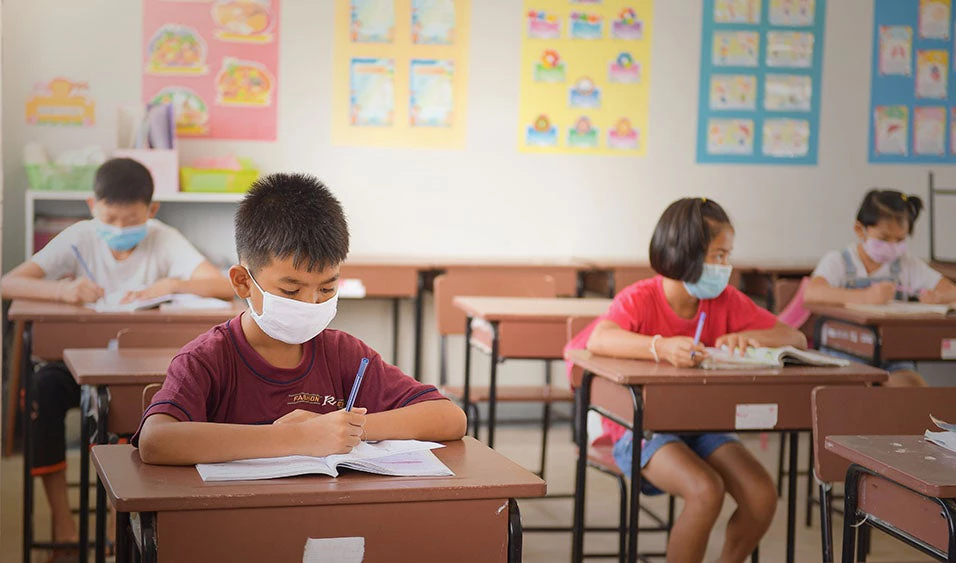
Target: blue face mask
column 120, row 239
column 713, row 280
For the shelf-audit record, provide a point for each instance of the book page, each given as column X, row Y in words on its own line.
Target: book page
column 408, row 464
column 111, row 303
column 264, row 468
column 901, row 308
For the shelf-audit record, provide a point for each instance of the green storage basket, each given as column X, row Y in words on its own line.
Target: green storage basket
column 222, row 181
column 52, row 177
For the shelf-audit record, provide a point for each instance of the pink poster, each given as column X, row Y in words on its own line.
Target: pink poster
column 217, row 62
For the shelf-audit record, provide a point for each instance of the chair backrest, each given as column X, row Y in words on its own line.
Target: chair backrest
column 575, row 326
column 148, row 393
column 451, row 320
column 158, row 337
column 876, row 411
column 794, row 314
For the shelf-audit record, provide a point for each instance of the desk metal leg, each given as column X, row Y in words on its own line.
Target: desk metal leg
column 638, row 430
column 26, row 366
column 583, row 394
column 123, row 544
column 792, row 495
column 396, row 322
column 102, row 426
column 466, row 392
column 826, row 522
column 514, row 532
column 148, row 530
column 949, row 512
column 493, row 386
column 419, row 314
column 86, row 414
column 849, row 513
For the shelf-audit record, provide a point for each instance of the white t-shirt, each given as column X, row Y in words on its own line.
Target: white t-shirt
column 915, row 275
column 163, row 253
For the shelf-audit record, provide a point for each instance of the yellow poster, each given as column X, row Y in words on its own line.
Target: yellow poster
column 585, row 76
column 400, row 73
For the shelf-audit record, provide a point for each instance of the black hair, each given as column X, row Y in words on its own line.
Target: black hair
column 889, row 204
column 683, row 234
column 123, row 180
column 291, row 215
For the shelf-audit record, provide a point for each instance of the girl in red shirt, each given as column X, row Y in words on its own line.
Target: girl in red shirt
column 656, row 320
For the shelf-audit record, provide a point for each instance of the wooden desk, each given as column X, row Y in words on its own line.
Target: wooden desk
column 607, row 277
column 518, row 328
column 766, row 273
column 567, row 274
column 648, row 396
column 112, row 382
column 948, row 269
column 902, row 485
column 471, row 516
column 876, row 338
column 56, row 326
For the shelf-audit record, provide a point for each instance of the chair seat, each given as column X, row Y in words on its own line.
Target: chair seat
column 601, row 457
column 513, row 393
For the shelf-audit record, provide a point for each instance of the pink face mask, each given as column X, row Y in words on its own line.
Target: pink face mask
column 882, row 251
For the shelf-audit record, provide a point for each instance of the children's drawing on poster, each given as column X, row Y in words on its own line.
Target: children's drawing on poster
column 730, row 136
column 896, row 50
column 627, row 25
column 624, row 69
column 786, row 138
column 543, row 25
column 433, row 22
column 243, row 83
column 583, row 135
column 176, row 49
column 541, row 133
column 934, row 19
column 192, row 113
column 737, row 11
column 372, row 86
column 733, row 92
column 623, row 136
column 586, row 25
column 792, row 13
column 432, row 93
column 550, row 68
column 788, row 92
column 584, row 94
column 373, row 21
column 736, row 48
column 792, row 49
column 61, row 101
column 244, row 21
column 932, row 73
column 892, row 130
column 929, row 130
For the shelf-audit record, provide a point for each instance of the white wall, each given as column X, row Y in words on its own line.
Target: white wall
column 485, row 200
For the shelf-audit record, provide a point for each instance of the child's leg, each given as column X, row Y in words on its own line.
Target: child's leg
column 753, row 489
column 55, row 393
column 677, row 470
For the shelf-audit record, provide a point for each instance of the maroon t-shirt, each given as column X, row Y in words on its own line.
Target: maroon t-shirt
column 219, row 377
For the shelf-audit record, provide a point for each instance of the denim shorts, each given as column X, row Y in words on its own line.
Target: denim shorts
column 701, row 444
column 885, row 366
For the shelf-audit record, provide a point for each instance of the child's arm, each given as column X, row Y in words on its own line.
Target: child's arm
column 778, row 336
column 820, row 291
column 164, row 440
column 438, row 420
column 609, row 339
column 944, row 292
column 26, row 281
column 205, row 281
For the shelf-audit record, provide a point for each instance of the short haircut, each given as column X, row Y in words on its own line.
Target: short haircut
column 896, row 206
column 291, row 215
column 682, row 236
column 123, row 181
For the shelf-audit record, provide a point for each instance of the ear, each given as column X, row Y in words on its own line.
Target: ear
column 91, row 203
column 240, row 281
column 860, row 230
column 153, row 209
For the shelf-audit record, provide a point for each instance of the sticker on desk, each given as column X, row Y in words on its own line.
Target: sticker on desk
column 351, row 288
column 334, row 550
column 947, row 349
column 756, row 417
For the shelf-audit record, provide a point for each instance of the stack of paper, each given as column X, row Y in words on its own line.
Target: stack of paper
column 946, row 438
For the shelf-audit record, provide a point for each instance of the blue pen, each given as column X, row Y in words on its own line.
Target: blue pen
column 357, row 384
column 700, row 328
column 83, row 264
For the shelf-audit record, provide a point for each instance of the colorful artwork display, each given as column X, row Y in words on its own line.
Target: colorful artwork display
column 217, row 62
column 60, row 101
column 585, row 76
column 761, row 67
column 400, row 73
column 912, row 103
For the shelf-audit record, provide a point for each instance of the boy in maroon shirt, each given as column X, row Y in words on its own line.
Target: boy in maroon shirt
column 273, row 381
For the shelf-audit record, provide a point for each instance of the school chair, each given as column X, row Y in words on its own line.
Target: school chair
column 149, row 392
column 451, row 321
column 876, row 411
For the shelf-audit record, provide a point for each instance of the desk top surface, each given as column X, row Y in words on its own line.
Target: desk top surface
column 530, row 308
column 480, row 473
column 104, row 366
column 873, row 318
column 639, row 372
column 910, row 461
column 28, row 310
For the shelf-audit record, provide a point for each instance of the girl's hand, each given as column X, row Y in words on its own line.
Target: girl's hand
column 930, row 296
column 737, row 343
column 680, row 351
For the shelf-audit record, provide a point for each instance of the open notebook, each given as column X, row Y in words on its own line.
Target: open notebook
column 903, row 308
column 111, row 303
column 946, row 438
column 721, row 358
column 408, row 458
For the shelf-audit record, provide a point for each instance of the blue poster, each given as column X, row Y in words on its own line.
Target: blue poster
column 911, row 91
column 760, row 77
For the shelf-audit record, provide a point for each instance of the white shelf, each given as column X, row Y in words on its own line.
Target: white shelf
column 183, row 197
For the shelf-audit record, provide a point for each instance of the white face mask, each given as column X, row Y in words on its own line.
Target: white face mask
column 291, row 321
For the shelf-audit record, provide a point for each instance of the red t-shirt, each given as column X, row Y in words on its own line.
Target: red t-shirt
column 643, row 308
column 219, row 377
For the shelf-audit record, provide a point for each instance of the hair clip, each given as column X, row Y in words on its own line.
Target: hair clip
column 703, row 200
column 904, row 197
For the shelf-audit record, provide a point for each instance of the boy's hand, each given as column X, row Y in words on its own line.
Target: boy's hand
column 162, row 287
column 298, row 415
column 334, row 433
column 880, row 293
column 680, row 351
column 78, row 291
column 736, row 343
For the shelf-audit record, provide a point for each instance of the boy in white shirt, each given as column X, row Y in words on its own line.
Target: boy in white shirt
column 121, row 250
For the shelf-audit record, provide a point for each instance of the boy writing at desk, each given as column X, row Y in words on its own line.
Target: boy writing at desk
column 273, row 381
column 122, row 250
